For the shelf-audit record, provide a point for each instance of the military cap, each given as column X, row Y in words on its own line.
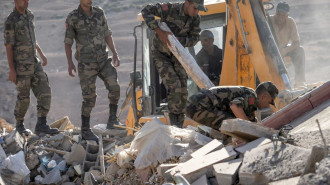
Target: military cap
column 206, row 34
column 283, row 7
column 270, row 88
column 199, row 4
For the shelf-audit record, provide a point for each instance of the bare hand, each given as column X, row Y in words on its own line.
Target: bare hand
column 44, row 60
column 12, row 76
column 115, row 60
column 163, row 36
column 71, row 67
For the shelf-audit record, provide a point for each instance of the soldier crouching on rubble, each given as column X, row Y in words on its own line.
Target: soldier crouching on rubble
column 88, row 26
column 211, row 107
column 25, row 68
column 183, row 20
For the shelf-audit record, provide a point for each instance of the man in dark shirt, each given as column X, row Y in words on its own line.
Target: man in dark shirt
column 209, row 58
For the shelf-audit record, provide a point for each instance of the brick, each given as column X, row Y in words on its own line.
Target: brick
column 226, row 173
column 211, row 146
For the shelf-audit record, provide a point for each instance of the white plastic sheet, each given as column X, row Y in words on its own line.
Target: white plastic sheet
column 155, row 143
column 16, row 163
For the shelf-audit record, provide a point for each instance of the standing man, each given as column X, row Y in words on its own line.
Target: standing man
column 25, row 69
column 209, row 58
column 211, row 107
column 88, row 26
column 286, row 33
column 183, row 20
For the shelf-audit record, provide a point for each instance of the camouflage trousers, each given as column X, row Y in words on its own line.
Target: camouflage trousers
column 88, row 72
column 38, row 82
column 204, row 112
column 174, row 78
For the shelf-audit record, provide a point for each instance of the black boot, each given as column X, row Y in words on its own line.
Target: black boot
column 21, row 129
column 113, row 120
column 176, row 119
column 43, row 128
column 86, row 132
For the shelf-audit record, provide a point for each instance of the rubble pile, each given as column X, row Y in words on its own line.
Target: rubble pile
column 162, row 154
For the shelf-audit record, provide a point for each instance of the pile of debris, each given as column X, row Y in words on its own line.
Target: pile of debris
column 162, row 154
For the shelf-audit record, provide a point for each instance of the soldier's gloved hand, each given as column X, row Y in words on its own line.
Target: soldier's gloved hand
column 12, row 76
column 163, row 35
column 71, row 67
column 115, row 60
column 44, row 60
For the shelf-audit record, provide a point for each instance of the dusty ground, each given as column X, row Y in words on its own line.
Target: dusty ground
column 311, row 16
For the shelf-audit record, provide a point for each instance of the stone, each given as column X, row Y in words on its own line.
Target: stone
column 318, row 153
column 226, row 173
column 253, row 144
column 77, row 154
column 246, row 130
column 272, row 162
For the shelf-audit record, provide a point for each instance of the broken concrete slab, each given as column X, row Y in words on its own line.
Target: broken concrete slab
column 211, row 146
column 253, row 144
column 212, row 133
column 321, row 176
column 318, row 153
column 194, row 168
column 101, row 129
column 291, row 181
column 227, row 172
column 310, row 139
column 246, row 130
column 77, row 154
column 14, row 143
column 201, row 181
column 53, row 177
column 272, row 162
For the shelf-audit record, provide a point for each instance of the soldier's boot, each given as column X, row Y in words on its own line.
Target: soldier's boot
column 113, row 120
column 86, row 132
column 42, row 128
column 21, row 129
column 176, row 119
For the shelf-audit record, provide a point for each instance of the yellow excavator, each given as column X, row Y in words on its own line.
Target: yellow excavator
column 240, row 28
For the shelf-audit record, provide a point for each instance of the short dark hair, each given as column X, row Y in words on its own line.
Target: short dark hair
column 283, row 7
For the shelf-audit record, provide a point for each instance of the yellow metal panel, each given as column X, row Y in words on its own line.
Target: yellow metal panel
column 229, row 67
column 262, row 64
column 130, row 120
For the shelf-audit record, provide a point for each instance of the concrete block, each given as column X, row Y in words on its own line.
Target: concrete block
column 291, row 181
column 77, row 154
column 246, row 130
column 318, row 153
column 211, row 146
column 201, row 181
column 194, row 168
column 272, row 162
column 253, row 144
column 227, row 172
column 14, row 143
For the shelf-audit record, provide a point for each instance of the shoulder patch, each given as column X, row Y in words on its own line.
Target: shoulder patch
column 164, row 7
column 251, row 100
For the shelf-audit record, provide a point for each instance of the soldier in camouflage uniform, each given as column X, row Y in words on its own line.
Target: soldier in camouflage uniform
column 25, row 69
column 88, row 26
column 211, row 107
column 183, row 20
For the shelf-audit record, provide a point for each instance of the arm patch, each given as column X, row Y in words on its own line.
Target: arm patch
column 251, row 100
column 164, row 7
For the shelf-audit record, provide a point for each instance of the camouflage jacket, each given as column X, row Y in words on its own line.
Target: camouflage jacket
column 224, row 96
column 90, row 34
column 185, row 28
column 19, row 32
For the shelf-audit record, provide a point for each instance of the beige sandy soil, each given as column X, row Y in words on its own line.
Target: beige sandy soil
column 311, row 16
